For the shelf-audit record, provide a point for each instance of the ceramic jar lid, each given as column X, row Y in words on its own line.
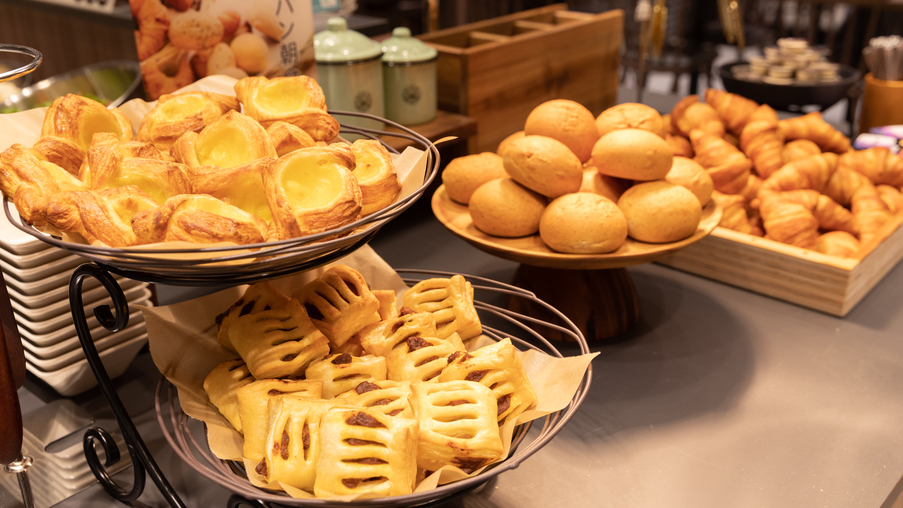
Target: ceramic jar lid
column 338, row 44
column 401, row 48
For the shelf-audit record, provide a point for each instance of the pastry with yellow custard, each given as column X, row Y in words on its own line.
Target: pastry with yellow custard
column 297, row 100
column 288, row 138
column 29, row 180
column 375, row 174
column 240, row 186
column 198, row 218
column 231, row 140
column 103, row 216
column 176, row 114
column 161, row 179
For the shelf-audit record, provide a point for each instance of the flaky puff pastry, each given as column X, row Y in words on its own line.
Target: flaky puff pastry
column 689, row 114
column 813, row 172
column 288, row 138
column 342, row 372
column 450, row 301
column 878, row 164
column 388, row 397
column 240, row 186
column 728, row 166
column 312, row 190
column 278, row 343
column 498, row 367
column 256, row 298
column 252, row 407
column 421, row 358
column 387, row 303
column 891, row 196
column 176, row 114
column 153, row 23
column 166, row 71
column 110, row 167
column 830, row 215
column 380, row 339
column 293, row 440
column 813, row 127
column 69, row 124
column 103, row 216
column 297, row 100
column 30, row 180
column 366, row 452
column 458, row 425
column 870, row 213
column 231, row 140
column 844, row 183
column 126, row 149
column 222, row 386
column 787, row 221
column 340, row 303
column 734, row 110
column 198, row 218
column 733, row 213
column 837, row 243
column 375, row 174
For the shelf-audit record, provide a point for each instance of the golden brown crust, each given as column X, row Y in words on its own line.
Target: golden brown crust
column 174, row 115
column 111, row 168
column 421, row 359
column 727, row 166
column 451, row 303
column 342, row 372
column 339, row 303
column 256, row 298
column 30, row 181
column 689, row 114
column 799, row 149
column 198, row 218
column 813, row 127
column 786, row 221
column 837, row 243
column 153, row 23
column 763, row 143
column 734, row 110
column 231, row 140
column 240, row 186
column 166, row 71
column 375, row 174
column 810, row 173
column 630, row 116
column 878, row 164
column 567, row 121
column 99, row 216
column 288, row 138
column 222, row 384
column 252, row 407
column 297, row 100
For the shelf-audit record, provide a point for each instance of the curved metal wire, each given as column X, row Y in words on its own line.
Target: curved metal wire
column 36, row 56
column 178, row 429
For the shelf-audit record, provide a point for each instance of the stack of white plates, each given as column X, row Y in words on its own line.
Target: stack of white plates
column 37, row 279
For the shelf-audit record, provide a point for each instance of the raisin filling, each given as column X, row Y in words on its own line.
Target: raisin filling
column 342, row 359
column 365, row 387
column 364, row 420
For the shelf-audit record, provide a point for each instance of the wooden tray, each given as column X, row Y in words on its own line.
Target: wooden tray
column 826, row 283
column 532, row 251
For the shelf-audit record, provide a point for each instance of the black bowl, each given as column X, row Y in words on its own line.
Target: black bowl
column 790, row 97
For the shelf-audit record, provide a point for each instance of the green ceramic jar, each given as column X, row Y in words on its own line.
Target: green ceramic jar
column 409, row 74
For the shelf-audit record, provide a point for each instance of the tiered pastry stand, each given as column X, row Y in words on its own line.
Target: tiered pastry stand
column 593, row 290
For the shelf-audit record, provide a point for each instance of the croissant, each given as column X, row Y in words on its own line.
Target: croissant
column 764, row 113
column 733, row 212
column 830, row 215
column 174, row 115
column 375, row 174
column 879, row 164
column 198, row 218
column 153, row 24
column 690, row 114
column 297, row 100
column 734, row 110
column 166, row 71
column 727, row 166
column 288, row 138
column 799, row 149
column 751, row 191
column 99, row 216
column 786, row 221
column 843, row 184
column 762, row 142
column 680, row 146
column 231, row 140
column 312, row 190
column 161, row 179
column 30, row 180
column 869, row 212
column 892, row 198
column 810, row 173
column 240, row 186
column 837, row 243
column 814, row 128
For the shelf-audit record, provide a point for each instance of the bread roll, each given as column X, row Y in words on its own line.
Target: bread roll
column 251, row 52
column 195, row 31
column 566, row 121
column 502, row 207
column 507, row 142
column 630, row 116
column 688, row 173
column 583, row 223
column 633, row 154
column 603, row 185
column 660, row 212
column 544, row 165
column 464, row 175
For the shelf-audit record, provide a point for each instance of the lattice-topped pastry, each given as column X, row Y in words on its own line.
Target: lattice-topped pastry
column 252, row 406
column 99, row 216
column 240, row 186
column 108, row 166
column 451, row 303
column 198, row 218
column 222, row 386
column 366, row 452
column 29, row 180
column 256, row 298
column 342, row 372
column 293, row 440
column 312, row 190
column 288, row 138
column 176, row 114
column 69, row 124
column 231, row 140
column 498, row 367
column 457, row 425
column 297, row 100
column 279, row 342
column 421, row 358
column 381, row 338
column 375, row 174
column 340, row 303
column 388, row 397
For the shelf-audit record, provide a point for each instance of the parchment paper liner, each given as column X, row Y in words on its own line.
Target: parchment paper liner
column 183, row 345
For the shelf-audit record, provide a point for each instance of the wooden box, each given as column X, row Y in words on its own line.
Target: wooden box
column 826, row 283
column 498, row 70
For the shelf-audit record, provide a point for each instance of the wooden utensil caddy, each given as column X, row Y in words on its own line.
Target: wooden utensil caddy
column 498, row 70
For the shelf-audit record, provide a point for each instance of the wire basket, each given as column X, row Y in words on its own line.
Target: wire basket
column 242, row 264
column 177, row 428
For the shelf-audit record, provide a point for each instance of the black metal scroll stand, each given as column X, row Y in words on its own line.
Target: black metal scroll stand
column 142, row 461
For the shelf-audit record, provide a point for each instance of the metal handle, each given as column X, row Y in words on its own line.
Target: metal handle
column 28, row 68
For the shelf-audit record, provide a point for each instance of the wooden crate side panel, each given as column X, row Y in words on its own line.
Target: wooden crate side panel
column 489, row 24
column 869, row 272
column 451, row 82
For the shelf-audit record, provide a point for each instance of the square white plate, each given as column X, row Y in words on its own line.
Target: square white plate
column 65, row 320
column 33, row 260
column 62, row 306
column 43, row 271
column 66, row 359
column 68, row 332
column 64, row 346
column 57, row 294
column 16, row 241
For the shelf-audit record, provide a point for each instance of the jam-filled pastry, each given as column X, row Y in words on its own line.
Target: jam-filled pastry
column 293, row 441
column 342, row 372
column 176, row 114
column 278, row 343
column 457, row 425
column 366, row 452
column 103, row 216
column 29, row 180
column 498, row 367
column 297, row 100
column 451, row 303
column 376, row 174
column 381, row 338
column 69, row 124
column 421, row 358
column 126, row 149
column 312, row 190
column 240, row 186
column 231, row 140
column 109, row 167
column 340, row 303
column 256, row 298
column 222, row 386
column 288, row 138
column 387, row 308
column 352, row 347
column 389, row 397
column 198, row 218
column 252, row 407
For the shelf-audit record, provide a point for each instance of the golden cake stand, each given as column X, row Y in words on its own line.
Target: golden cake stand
column 593, row 290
